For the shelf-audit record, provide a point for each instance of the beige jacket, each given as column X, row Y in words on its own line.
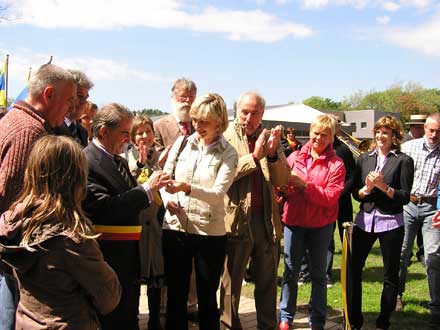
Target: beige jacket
column 210, row 171
column 238, row 198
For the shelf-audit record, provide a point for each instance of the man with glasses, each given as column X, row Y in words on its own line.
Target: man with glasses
column 71, row 126
column 419, row 212
column 166, row 131
column 169, row 128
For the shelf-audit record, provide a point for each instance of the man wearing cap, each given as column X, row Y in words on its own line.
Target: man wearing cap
column 416, row 129
column 420, row 210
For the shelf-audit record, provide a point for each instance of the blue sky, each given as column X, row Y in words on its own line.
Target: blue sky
column 287, row 50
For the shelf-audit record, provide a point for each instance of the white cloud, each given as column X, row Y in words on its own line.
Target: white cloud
column 314, row 4
column 421, row 4
column 383, row 20
column 387, row 5
column 96, row 68
column 255, row 25
column 390, row 6
column 424, row 38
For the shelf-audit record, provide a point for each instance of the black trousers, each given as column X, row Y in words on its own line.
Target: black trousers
column 390, row 245
column 123, row 257
column 208, row 253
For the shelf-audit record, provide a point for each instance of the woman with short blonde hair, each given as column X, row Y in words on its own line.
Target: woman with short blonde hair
column 203, row 166
column 311, row 208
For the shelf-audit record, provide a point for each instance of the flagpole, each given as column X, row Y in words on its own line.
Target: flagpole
column 6, row 79
column 29, row 74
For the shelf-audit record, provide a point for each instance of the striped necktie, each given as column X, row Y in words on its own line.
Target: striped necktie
column 126, row 175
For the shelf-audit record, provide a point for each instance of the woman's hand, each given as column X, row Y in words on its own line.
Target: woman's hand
column 296, row 182
column 377, row 180
column 173, row 207
column 176, row 186
column 143, row 151
column 369, row 181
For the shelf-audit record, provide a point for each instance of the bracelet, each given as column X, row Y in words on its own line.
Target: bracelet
column 389, row 189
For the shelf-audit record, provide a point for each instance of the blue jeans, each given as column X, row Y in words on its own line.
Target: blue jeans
column 416, row 216
column 431, row 240
column 8, row 302
column 296, row 241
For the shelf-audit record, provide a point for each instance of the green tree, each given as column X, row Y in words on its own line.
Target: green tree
column 321, row 103
column 149, row 112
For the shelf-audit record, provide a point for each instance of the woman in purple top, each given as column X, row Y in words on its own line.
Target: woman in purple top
column 382, row 184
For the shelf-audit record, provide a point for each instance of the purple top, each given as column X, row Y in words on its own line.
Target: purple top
column 377, row 222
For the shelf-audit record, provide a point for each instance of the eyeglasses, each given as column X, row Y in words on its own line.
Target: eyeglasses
column 185, row 97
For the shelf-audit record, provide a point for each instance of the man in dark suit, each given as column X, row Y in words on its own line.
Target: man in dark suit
column 114, row 201
column 71, row 126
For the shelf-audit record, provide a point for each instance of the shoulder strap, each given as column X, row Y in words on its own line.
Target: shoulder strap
column 182, row 146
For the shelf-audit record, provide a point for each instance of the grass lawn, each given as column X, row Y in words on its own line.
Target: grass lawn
column 416, row 313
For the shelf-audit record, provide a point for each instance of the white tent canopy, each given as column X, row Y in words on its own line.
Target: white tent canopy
column 292, row 113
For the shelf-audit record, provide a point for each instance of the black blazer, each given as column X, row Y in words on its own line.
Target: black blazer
column 110, row 200
column 345, row 210
column 81, row 135
column 398, row 174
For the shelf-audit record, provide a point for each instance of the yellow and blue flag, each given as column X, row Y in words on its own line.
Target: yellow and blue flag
column 3, row 100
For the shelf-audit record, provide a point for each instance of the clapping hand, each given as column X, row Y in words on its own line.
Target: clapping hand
column 296, row 182
column 273, row 141
column 143, row 151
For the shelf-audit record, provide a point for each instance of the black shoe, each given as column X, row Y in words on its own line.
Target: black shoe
column 193, row 317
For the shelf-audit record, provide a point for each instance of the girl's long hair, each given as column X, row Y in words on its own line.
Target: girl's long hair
column 55, row 184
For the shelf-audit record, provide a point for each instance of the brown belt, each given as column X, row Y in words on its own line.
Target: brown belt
column 422, row 199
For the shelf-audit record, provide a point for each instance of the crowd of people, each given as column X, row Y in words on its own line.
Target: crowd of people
column 96, row 202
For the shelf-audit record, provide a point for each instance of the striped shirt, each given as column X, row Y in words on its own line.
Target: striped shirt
column 426, row 167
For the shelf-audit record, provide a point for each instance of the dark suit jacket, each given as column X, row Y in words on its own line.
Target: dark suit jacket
column 110, row 200
column 81, row 135
column 398, row 173
column 166, row 131
column 345, row 211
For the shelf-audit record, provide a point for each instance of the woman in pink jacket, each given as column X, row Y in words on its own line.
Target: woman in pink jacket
column 311, row 208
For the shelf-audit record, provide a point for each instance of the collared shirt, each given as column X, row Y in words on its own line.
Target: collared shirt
column 426, row 167
column 182, row 125
column 112, row 157
column 68, row 121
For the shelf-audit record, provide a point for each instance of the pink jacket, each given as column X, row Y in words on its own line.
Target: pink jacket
column 316, row 205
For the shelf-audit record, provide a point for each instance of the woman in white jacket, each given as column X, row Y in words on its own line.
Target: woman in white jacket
column 203, row 166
